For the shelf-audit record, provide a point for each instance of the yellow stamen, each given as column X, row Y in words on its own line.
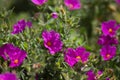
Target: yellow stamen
column 110, row 30
column 16, row 61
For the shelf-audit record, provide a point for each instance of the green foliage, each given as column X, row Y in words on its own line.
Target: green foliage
column 77, row 28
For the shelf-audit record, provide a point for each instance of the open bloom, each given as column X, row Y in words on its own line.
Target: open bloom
column 73, row 56
column 17, row 58
column 110, row 28
column 54, row 15
column 8, row 76
column 108, row 52
column 73, row 4
column 39, row 2
column 14, row 54
column 20, row 26
column 52, row 41
column 107, row 40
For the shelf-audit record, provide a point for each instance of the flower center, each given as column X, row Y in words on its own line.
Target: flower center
column 78, row 57
column 110, row 30
column 49, row 43
column 16, row 61
column 108, row 55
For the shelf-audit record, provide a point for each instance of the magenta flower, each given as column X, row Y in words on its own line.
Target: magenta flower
column 73, row 56
column 70, row 57
column 39, row 2
column 8, row 76
column 54, row 15
column 108, row 52
column 90, row 75
column 73, row 4
column 17, row 58
column 82, row 54
column 107, row 78
column 52, row 41
column 29, row 24
column 2, row 52
column 110, row 28
column 20, row 26
column 117, row 1
column 14, row 54
column 99, row 72
column 107, row 40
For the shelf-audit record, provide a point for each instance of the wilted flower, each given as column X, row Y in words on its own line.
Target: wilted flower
column 20, row 26
column 73, row 56
column 107, row 40
column 39, row 2
column 8, row 76
column 15, row 54
column 91, row 75
column 52, row 41
column 108, row 52
column 73, row 4
column 54, row 15
column 110, row 28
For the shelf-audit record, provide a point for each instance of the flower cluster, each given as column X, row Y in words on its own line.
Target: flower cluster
column 12, row 53
column 54, row 44
column 52, row 41
column 20, row 26
column 8, row 76
column 73, row 56
column 108, row 39
column 71, row 4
